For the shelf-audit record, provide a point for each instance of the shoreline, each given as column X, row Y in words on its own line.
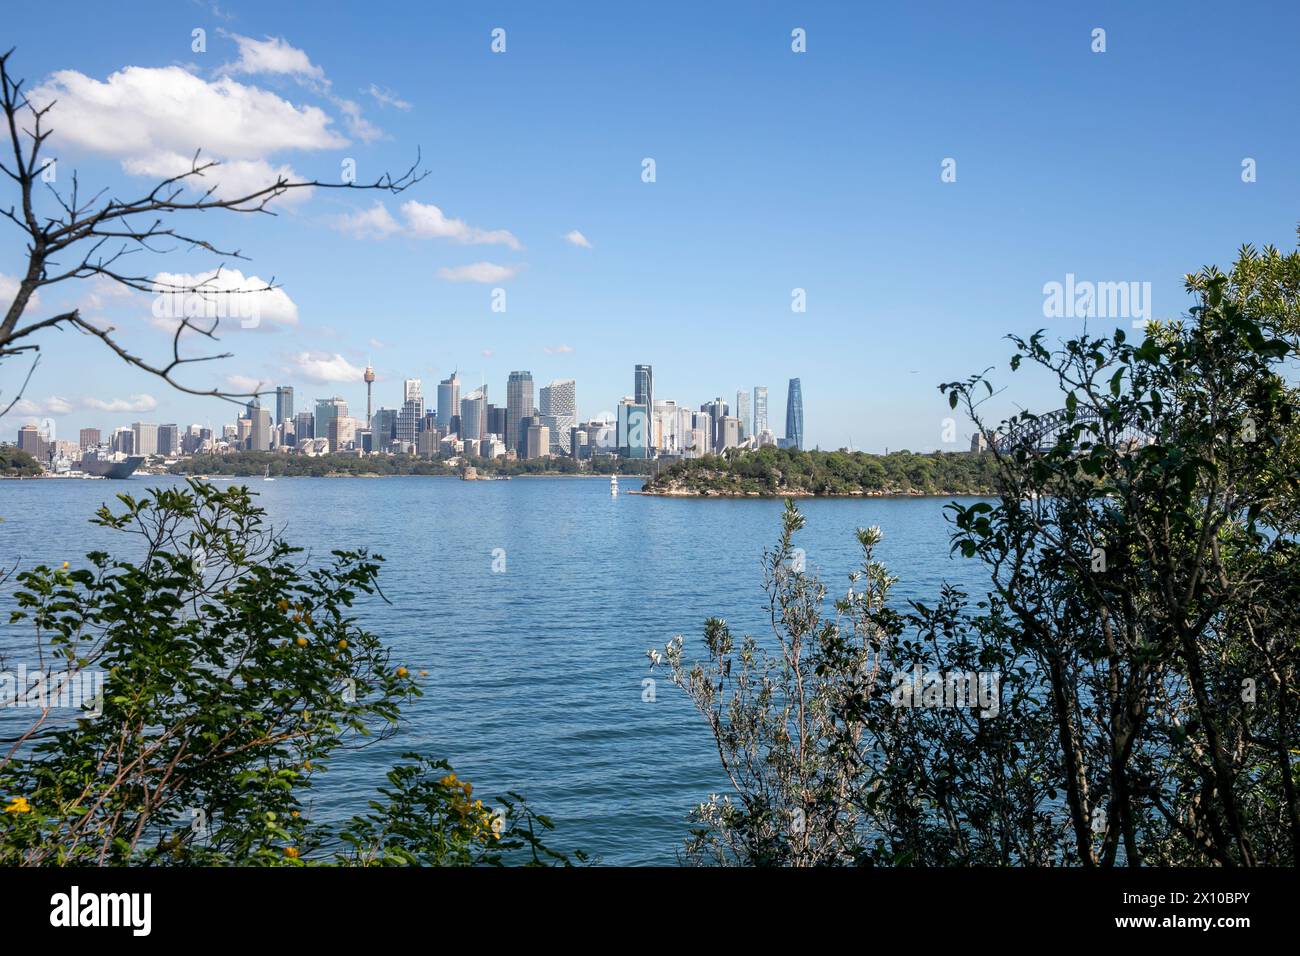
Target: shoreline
column 813, row 494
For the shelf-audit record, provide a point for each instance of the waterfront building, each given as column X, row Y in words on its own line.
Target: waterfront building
column 633, row 429
column 473, row 415
column 538, row 441
column 558, row 406
column 145, row 436
column 283, row 404
column 519, row 406
column 448, row 402
column 744, row 412
column 794, row 415
column 760, row 409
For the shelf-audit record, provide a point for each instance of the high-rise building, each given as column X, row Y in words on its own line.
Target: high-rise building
column 496, row 420
column 448, row 402
column 124, row 440
column 633, row 429
column 145, row 438
column 473, row 415
column 30, row 441
column 519, row 405
column 728, row 432
column 259, row 437
column 283, row 404
column 794, row 415
column 760, row 409
column 89, row 438
column 538, row 440
column 304, row 426
column 643, row 390
column 411, row 413
column 716, row 410
column 327, row 410
column 169, row 440
column 558, row 406
column 745, row 413
column 383, row 427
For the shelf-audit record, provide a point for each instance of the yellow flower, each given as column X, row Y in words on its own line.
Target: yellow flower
column 302, row 642
column 291, row 852
column 402, row 672
column 18, row 805
column 343, row 645
column 295, row 814
column 65, row 565
column 282, row 604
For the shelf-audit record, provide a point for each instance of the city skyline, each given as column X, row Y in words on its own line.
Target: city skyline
column 552, row 426
column 815, row 230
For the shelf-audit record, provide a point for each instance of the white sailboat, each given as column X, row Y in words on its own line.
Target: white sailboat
column 267, row 474
column 613, row 484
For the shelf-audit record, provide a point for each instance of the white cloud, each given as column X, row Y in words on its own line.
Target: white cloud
column 374, row 223
column 421, row 221
column 272, row 55
column 578, row 239
column 244, row 383
column 386, row 97
column 238, row 301
column 478, row 272
column 558, row 349
column 54, row 405
column 141, row 112
column 358, row 125
column 135, row 403
column 324, row 368
column 275, row 56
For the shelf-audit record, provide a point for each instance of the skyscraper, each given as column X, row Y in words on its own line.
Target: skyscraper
column 744, row 412
column 519, row 405
column 633, row 429
column 89, row 438
column 327, row 411
column 259, row 438
column 473, row 415
column 145, row 438
column 643, row 391
column 558, row 406
column 283, row 404
column 304, row 426
column 448, row 402
column 760, row 409
column 169, row 439
column 408, row 419
column 794, row 415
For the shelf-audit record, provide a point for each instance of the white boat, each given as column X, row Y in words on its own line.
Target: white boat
column 613, row 484
column 267, row 475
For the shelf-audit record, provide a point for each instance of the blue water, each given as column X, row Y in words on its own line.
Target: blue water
column 534, row 674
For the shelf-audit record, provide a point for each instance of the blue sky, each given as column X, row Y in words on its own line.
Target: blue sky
column 775, row 170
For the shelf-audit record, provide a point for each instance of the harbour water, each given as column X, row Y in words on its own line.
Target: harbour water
column 535, row 671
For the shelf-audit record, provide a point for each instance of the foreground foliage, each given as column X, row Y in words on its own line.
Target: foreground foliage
column 1141, row 625
column 234, row 675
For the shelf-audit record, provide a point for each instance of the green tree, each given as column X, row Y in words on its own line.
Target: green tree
column 234, row 675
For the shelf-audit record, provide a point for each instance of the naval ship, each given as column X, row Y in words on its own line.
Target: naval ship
column 92, row 464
